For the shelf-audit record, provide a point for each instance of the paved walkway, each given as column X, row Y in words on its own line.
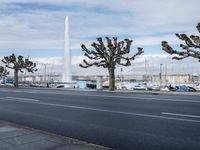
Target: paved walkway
column 15, row 137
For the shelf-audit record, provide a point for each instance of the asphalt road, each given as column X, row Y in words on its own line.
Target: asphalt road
column 123, row 121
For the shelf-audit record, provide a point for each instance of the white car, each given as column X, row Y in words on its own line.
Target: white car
column 140, row 86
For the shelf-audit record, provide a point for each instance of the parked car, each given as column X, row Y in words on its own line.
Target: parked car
column 164, row 89
column 60, row 86
column 140, row 86
column 154, row 87
column 182, row 88
column 91, row 85
column 191, row 89
column 10, row 81
column 172, row 88
column 197, row 87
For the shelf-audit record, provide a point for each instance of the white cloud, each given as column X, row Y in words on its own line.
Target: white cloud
column 54, row 66
column 146, row 22
column 43, row 28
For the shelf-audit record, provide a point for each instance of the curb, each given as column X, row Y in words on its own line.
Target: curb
column 116, row 91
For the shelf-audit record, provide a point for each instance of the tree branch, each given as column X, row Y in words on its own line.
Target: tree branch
column 116, row 50
column 192, row 41
column 198, row 27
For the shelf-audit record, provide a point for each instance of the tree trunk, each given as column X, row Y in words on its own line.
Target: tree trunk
column 16, row 78
column 111, row 79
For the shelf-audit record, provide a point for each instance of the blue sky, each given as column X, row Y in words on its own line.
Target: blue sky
column 35, row 28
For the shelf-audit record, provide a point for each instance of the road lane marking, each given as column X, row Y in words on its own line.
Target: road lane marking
column 19, row 91
column 181, row 115
column 31, row 92
column 105, row 110
column 123, row 97
column 12, row 91
column 23, row 99
column 130, row 97
column 112, row 96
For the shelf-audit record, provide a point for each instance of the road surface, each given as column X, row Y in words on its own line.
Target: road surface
column 122, row 121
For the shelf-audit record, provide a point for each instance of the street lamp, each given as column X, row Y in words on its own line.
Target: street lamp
column 121, row 77
column 161, row 74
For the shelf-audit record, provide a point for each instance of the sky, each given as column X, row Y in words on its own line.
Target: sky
column 35, row 28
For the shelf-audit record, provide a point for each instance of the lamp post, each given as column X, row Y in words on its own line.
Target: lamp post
column 45, row 72
column 121, row 77
column 145, row 69
column 161, row 74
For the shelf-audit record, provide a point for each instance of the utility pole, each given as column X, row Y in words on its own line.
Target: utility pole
column 165, row 73
column 45, row 72
column 121, row 77
column 25, row 76
column 161, row 74
column 122, row 74
column 145, row 70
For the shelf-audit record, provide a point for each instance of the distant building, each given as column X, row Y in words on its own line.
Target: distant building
column 176, row 78
column 40, row 78
column 166, row 79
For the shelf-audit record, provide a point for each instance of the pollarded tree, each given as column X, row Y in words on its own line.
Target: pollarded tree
column 191, row 48
column 19, row 64
column 3, row 71
column 110, row 55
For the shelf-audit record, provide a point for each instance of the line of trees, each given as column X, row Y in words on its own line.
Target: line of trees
column 108, row 55
column 115, row 53
column 18, row 64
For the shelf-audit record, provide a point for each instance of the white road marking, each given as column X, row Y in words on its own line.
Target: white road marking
column 31, row 92
column 123, row 97
column 128, row 97
column 181, row 115
column 113, row 96
column 12, row 91
column 105, row 110
column 23, row 99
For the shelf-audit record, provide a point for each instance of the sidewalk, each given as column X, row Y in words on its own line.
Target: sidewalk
column 15, row 137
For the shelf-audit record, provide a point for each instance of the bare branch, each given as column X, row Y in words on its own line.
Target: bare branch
column 109, row 57
column 198, row 27
column 139, row 52
column 85, row 49
column 192, row 41
column 196, row 40
column 185, row 38
column 19, row 64
column 3, row 71
column 115, row 56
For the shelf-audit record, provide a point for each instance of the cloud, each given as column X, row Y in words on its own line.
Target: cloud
column 34, row 24
column 54, row 66
column 36, row 27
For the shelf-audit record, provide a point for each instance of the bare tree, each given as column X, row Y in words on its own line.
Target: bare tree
column 190, row 48
column 3, row 71
column 115, row 54
column 18, row 64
